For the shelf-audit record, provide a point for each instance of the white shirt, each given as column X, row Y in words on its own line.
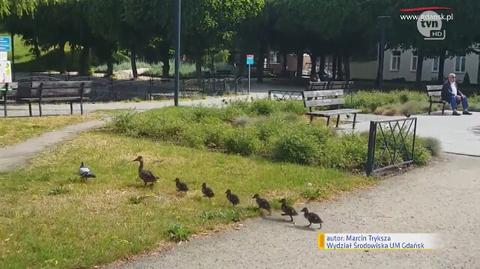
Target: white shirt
column 454, row 88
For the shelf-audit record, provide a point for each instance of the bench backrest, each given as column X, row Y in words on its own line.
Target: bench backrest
column 339, row 85
column 317, row 86
column 435, row 92
column 61, row 88
column 312, row 99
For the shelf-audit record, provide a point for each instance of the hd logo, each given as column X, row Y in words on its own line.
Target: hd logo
column 430, row 25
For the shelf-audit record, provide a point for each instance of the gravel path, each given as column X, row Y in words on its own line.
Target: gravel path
column 442, row 198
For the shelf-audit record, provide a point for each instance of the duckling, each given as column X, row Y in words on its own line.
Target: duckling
column 232, row 198
column 181, row 186
column 312, row 218
column 288, row 210
column 406, row 114
column 85, row 172
column 207, row 192
column 145, row 175
column 262, row 203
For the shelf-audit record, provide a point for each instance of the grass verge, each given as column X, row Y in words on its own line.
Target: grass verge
column 15, row 130
column 50, row 219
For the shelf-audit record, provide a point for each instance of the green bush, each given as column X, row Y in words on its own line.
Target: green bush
column 242, row 141
column 297, row 147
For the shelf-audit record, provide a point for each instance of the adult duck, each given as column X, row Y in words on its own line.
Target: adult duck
column 145, row 175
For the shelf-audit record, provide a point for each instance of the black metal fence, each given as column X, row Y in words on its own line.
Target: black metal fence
column 391, row 144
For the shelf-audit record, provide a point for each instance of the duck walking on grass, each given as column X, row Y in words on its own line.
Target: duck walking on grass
column 145, row 175
column 207, row 192
column 181, row 186
column 85, row 172
column 288, row 210
column 312, row 218
column 262, row 203
column 232, row 198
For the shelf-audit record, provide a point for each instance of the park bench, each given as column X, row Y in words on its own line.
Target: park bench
column 326, row 99
column 435, row 97
column 42, row 92
column 8, row 95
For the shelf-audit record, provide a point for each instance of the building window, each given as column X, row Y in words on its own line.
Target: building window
column 395, row 61
column 435, row 64
column 460, row 64
column 414, row 62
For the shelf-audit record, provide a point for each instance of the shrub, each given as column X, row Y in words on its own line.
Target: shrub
column 242, row 141
column 263, row 107
column 432, row 145
column 297, row 147
column 178, row 233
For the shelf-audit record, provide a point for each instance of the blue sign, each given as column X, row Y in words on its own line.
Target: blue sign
column 5, row 43
column 250, row 59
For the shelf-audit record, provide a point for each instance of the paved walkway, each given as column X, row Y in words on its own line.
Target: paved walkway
column 442, row 198
column 457, row 134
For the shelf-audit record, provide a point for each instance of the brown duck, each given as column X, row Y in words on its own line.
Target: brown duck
column 145, row 175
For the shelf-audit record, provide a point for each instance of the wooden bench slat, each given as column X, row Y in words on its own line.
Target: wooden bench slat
column 334, row 112
column 325, row 93
column 324, row 102
column 61, row 84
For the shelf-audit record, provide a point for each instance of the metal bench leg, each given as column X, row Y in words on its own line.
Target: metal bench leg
column 354, row 120
column 40, row 108
column 430, row 108
column 5, row 103
column 71, row 108
column 443, row 109
column 338, row 120
column 81, row 107
column 328, row 120
column 30, row 109
column 311, row 119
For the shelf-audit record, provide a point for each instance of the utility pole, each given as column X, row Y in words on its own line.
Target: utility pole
column 382, row 21
column 177, row 51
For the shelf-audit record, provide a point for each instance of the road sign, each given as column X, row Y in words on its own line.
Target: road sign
column 5, row 72
column 250, row 59
column 5, row 43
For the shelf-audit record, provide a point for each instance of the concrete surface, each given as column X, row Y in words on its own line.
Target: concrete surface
column 457, row 134
column 442, row 198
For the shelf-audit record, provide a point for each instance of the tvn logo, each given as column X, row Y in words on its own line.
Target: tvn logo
column 430, row 24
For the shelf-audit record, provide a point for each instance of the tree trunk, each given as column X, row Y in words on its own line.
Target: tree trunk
column 166, row 67
column 84, row 61
column 285, row 64
column 419, row 68
column 441, row 67
column 260, row 61
column 321, row 69
column 339, row 67
column 346, row 64
column 198, row 67
column 63, row 58
column 313, row 59
column 334, row 67
column 299, row 64
column 109, row 67
column 133, row 61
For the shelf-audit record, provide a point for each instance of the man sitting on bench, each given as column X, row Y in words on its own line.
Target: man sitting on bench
column 452, row 95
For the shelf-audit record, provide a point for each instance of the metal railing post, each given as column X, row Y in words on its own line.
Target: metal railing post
column 371, row 148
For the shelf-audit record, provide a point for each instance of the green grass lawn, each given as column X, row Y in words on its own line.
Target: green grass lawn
column 50, row 219
column 15, row 130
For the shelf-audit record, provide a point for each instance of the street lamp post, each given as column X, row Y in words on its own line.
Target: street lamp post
column 382, row 21
column 177, row 50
